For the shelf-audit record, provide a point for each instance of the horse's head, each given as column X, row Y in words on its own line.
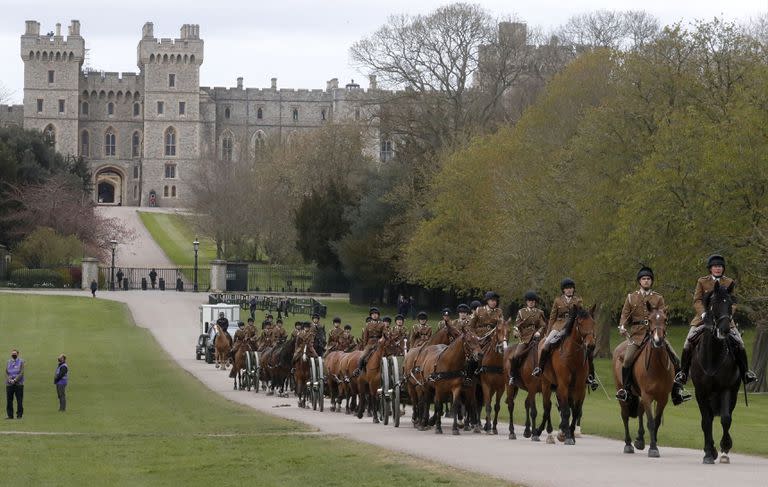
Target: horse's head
column 500, row 336
column 452, row 332
column 719, row 306
column 657, row 325
column 584, row 323
column 473, row 350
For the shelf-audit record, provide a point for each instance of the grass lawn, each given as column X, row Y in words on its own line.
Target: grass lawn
column 681, row 425
column 175, row 235
column 135, row 418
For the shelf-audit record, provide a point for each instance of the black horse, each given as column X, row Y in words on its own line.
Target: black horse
column 715, row 373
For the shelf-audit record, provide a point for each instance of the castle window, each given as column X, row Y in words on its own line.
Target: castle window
column 182, row 108
column 386, row 153
column 173, row 191
column 165, row 191
column 227, row 113
column 136, row 109
column 170, row 141
column 50, row 135
column 39, row 105
column 226, row 147
column 136, row 171
column 136, row 144
column 135, row 191
column 295, row 114
column 170, row 171
column 357, row 114
column 85, row 108
column 160, row 107
column 85, row 144
column 110, row 108
column 109, row 142
column 259, row 113
column 171, row 80
column 61, row 106
column 51, row 76
column 322, row 114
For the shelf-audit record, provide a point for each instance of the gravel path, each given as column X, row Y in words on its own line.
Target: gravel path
column 143, row 251
column 597, row 462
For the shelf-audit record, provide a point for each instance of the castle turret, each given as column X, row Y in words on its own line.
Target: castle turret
column 52, row 66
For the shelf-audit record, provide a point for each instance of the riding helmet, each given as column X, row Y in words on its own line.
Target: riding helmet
column 422, row 315
column 645, row 272
column 531, row 296
column 399, row 317
column 462, row 308
column 347, row 327
column 446, row 311
column 240, row 324
column 474, row 305
column 491, row 295
column 279, row 322
column 373, row 310
column 387, row 319
column 715, row 259
column 337, row 320
column 315, row 315
column 250, row 320
column 566, row 283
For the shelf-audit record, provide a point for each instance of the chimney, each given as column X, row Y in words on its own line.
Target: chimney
column 58, row 29
column 332, row 84
column 33, row 28
column 74, row 28
column 148, row 31
column 274, row 83
column 240, row 83
column 372, row 82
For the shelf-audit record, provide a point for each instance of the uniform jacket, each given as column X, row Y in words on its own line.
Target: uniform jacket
column 373, row 331
column 634, row 314
column 485, row 319
column 705, row 285
column 420, row 334
column 461, row 324
column 561, row 310
column 528, row 322
column 334, row 335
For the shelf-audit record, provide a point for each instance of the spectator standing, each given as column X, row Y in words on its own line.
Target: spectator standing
column 94, row 287
column 153, row 277
column 120, row 278
column 60, row 379
column 14, row 385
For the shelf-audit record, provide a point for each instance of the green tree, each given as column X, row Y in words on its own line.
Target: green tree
column 46, row 248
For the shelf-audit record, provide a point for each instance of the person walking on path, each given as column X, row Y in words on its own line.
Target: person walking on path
column 153, row 277
column 94, row 287
column 120, row 278
column 60, row 379
column 14, row 385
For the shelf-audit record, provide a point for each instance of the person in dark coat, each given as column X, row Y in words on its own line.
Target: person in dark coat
column 94, row 287
column 120, row 278
column 60, row 379
column 153, row 277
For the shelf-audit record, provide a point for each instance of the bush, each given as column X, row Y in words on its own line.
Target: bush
column 35, row 278
column 45, row 248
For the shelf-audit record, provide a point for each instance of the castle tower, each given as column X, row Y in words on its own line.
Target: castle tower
column 171, row 72
column 51, row 79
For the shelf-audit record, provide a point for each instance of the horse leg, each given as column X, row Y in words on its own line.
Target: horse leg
column 653, row 451
column 456, row 406
column 710, row 454
column 628, row 448
column 726, row 409
column 640, row 440
column 511, row 392
column 496, row 408
column 439, row 414
column 374, row 404
column 563, row 405
column 576, row 408
column 530, row 417
column 545, row 418
column 486, row 405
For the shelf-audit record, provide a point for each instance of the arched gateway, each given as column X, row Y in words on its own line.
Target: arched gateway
column 109, row 186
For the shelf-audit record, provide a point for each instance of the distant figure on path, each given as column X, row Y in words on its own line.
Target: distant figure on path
column 14, row 385
column 153, row 277
column 94, row 287
column 60, row 379
column 120, row 278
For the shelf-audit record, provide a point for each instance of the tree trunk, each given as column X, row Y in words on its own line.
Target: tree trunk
column 760, row 356
column 604, row 325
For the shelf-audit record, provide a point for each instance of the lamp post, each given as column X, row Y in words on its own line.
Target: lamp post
column 113, row 244
column 196, row 246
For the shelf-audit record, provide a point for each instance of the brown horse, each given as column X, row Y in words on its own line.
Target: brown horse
column 526, row 381
column 654, row 375
column 335, row 378
column 301, row 374
column 567, row 370
column 347, row 366
column 492, row 378
column 414, row 376
column 446, row 366
column 243, row 347
column 369, row 380
column 221, row 346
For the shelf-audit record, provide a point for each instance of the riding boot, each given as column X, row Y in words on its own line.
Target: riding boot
column 679, row 394
column 542, row 361
column 741, row 358
column 681, row 377
column 626, row 379
column 591, row 377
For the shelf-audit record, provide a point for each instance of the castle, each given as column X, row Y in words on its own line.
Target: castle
column 143, row 133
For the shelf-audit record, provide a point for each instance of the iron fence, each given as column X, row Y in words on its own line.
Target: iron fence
column 293, row 279
column 283, row 305
column 167, row 278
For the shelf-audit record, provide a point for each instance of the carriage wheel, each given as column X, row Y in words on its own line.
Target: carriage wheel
column 311, row 385
column 320, row 384
column 395, row 393
column 256, row 370
column 248, row 365
column 385, row 386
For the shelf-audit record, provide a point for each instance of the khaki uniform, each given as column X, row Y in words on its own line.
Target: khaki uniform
column 420, row 334
column 333, row 338
column 398, row 334
column 485, row 319
column 528, row 322
column 373, row 331
column 305, row 338
column 706, row 285
column 561, row 310
column 634, row 318
column 442, row 323
column 345, row 342
column 461, row 324
column 277, row 335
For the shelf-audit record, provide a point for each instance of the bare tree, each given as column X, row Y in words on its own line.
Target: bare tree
column 5, row 94
column 610, row 29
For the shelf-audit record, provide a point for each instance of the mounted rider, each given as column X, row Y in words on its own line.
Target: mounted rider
column 345, row 342
column 305, row 342
column 333, row 336
column 319, row 330
column 421, row 331
column 706, row 284
column 487, row 317
column 529, row 326
column 446, row 314
column 634, row 325
column 462, row 322
column 399, row 335
column 373, row 331
column 223, row 323
column 278, row 333
column 558, row 317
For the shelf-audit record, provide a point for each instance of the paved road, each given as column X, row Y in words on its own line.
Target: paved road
column 597, row 462
column 142, row 251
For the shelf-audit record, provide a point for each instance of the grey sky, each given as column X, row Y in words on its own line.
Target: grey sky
column 303, row 43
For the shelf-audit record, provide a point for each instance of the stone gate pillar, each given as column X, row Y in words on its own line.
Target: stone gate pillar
column 90, row 272
column 218, row 276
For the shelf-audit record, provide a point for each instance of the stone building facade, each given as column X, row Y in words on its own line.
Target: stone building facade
column 143, row 133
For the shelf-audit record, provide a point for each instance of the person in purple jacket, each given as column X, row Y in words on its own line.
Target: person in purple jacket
column 61, row 379
column 14, row 385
